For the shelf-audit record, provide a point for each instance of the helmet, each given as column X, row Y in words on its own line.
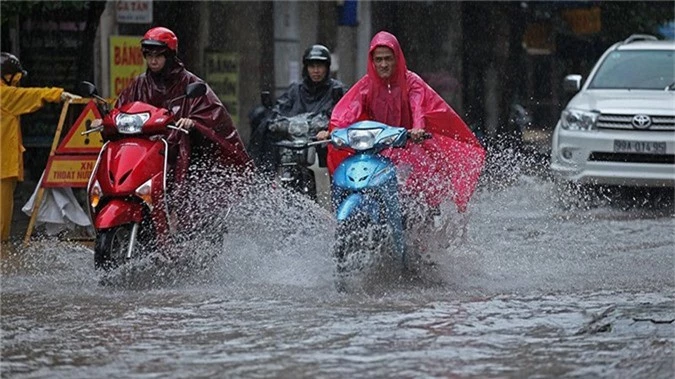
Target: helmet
column 316, row 53
column 160, row 37
column 10, row 65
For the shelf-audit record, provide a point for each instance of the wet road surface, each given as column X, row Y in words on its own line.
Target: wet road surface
column 530, row 290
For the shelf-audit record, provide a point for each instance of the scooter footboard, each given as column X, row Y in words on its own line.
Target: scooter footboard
column 118, row 212
column 358, row 203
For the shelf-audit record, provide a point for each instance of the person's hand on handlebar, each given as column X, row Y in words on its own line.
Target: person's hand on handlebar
column 185, row 123
column 322, row 135
column 96, row 123
column 417, row 134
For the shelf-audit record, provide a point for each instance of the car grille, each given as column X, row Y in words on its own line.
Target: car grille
column 619, row 121
column 632, row 158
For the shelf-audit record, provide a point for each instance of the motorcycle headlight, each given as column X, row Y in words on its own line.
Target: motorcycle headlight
column 362, row 139
column 575, row 119
column 131, row 123
column 298, row 128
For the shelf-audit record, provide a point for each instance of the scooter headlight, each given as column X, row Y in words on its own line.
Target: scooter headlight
column 131, row 123
column 362, row 139
column 95, row 194
column 144, row 191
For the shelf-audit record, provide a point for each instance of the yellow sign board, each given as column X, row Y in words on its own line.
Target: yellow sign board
column 75, row 142
column 69, row 171
column 126, row 62
column 583, row 21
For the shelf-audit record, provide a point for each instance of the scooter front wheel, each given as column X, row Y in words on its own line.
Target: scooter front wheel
column 111, row 247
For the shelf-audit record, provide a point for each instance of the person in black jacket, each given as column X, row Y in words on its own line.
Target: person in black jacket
column 316, row 93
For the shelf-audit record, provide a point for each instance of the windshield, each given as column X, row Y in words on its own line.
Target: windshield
column 636, row 69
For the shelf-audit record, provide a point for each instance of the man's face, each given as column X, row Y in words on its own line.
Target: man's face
column 384, row 60
column 155, row 59
column 317, row 71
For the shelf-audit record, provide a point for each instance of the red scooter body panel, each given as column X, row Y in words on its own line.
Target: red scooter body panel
column 128, row 163
column 118, row 212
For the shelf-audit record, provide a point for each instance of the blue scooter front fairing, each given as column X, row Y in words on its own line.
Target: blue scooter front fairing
column 365, row 185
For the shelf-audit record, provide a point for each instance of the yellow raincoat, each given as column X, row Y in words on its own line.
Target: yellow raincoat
column 15, row 101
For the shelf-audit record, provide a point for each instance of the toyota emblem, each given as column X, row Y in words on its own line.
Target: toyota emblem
column 641, row 121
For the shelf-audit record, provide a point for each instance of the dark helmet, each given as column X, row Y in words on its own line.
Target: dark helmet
column 10, row 65
column 160, row 37
column 318, row 53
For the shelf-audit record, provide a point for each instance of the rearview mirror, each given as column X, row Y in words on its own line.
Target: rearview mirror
column 195, row 90
column 266, row 99
column 572, row 83
column 87, row 89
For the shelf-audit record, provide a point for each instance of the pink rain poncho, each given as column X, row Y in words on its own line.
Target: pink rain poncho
column 445, row 166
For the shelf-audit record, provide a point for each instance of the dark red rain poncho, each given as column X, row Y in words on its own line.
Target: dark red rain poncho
column 214, row 137
column 445, row 166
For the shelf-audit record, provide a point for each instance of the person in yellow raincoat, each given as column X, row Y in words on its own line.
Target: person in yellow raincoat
column 15, row 101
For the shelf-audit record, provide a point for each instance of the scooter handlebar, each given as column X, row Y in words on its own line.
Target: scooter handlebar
column 96, row 129
column 178, row 128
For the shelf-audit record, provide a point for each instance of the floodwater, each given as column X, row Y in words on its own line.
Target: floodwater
column 528, row 290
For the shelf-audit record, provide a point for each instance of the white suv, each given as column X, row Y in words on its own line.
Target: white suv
column 620, row 128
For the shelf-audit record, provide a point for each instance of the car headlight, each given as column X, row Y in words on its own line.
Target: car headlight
column 131, row 123
column 574, row 119
column 362, row 139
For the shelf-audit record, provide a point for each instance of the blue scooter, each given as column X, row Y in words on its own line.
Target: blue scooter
column 365, row 194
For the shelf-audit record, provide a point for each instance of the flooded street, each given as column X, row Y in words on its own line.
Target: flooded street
column 530, row 290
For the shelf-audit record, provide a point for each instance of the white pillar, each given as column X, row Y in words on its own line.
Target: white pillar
column 287, row 63
column 107, row 27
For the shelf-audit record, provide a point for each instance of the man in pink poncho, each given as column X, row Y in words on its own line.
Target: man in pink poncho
column 445, row 166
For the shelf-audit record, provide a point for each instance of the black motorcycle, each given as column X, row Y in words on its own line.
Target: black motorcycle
column 298, row 165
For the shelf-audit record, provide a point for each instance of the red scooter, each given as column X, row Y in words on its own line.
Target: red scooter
column 127, row 189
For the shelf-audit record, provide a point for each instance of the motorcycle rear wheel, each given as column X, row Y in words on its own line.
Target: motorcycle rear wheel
column 111, row 246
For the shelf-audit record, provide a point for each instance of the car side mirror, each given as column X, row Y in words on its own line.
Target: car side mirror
column 266, row 99
column 87, row 89
column 572, row 83
column 195, row 90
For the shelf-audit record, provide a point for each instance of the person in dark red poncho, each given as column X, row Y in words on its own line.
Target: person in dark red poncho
column 216, row 139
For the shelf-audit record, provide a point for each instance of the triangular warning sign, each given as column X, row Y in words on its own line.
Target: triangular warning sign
column 75, row 142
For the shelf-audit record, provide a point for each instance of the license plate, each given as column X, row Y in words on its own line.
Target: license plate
column 641, row 147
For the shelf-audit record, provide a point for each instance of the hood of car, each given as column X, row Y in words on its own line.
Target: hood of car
column 625, row 102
